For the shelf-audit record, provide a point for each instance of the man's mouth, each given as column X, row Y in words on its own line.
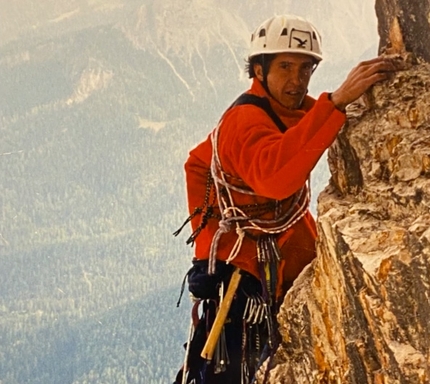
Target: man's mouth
column 294, row 93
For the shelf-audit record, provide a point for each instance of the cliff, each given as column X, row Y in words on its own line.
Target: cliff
column 360, row 312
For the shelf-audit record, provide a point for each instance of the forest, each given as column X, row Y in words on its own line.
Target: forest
column 95, row 131
column 89, row 200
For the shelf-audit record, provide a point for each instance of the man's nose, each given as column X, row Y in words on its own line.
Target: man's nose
column 297, row 77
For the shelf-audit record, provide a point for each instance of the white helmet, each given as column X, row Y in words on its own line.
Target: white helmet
column 286, row 33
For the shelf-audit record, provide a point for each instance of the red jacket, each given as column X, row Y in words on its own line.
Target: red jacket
column 274, row 165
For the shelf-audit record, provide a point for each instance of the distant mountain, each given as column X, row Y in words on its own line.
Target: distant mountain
column 346, row 25
column 99, row 104
column 190, row 42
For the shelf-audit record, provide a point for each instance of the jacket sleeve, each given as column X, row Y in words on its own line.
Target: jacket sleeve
column 273, row 164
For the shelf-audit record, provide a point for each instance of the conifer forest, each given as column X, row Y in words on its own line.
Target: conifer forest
column 100, row 102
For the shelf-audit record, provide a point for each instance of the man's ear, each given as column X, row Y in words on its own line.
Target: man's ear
column 258, row 70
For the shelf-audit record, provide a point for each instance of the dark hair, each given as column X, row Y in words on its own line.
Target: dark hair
column 264, row 59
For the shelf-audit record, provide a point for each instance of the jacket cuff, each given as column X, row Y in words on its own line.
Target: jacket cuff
column 329, row 98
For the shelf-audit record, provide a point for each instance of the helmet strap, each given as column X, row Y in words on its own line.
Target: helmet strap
column 265, row 74
column 315, row 66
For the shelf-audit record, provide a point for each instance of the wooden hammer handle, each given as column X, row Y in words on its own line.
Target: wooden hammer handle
column 209, row 348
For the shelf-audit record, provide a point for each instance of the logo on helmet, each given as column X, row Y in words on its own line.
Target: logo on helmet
column 303, row 39
column 302, row 43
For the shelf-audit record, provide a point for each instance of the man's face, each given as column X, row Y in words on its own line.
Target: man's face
column 288, row 78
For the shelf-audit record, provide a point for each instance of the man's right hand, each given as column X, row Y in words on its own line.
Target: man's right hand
column 361, row 78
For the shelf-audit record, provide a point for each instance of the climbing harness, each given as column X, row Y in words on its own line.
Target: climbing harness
column 253, row 314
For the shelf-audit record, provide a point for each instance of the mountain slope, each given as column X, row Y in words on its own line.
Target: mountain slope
column 100, row 103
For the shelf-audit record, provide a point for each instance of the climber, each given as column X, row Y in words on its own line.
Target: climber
column 248, row 195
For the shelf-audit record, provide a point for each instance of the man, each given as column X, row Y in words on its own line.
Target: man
column 248, row 195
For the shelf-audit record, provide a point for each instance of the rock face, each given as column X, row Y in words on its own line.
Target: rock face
column 361, row 312
column 403, row 25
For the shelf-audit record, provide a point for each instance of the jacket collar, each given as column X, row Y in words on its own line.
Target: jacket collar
column 258, row 89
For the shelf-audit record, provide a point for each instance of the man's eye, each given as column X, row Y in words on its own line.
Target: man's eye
column 307, row 69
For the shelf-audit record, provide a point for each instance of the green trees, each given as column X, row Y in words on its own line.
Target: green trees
column 90, row 270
